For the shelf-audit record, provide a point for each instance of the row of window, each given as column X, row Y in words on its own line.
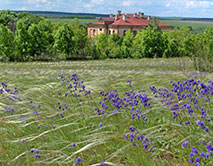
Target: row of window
column 113, row 31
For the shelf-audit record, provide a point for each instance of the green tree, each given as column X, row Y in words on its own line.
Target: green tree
column 46, row 27
column 127, row 44
column 6, row 44
column 80, row 38
column 172, row 48
column 114, row 43
column 30, row 19
column 102, row 46
column 180, row 36
column 40, row 38
column 64, row 40
column 22, row 43
column 150, row 43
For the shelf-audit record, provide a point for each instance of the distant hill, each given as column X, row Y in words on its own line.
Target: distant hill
column 185, row 19
column 53, row 14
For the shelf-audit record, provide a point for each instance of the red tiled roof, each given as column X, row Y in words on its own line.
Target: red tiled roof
column 130, row 21
column 107, row 18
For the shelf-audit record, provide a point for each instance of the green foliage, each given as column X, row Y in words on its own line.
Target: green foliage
column 7, row 17
column 36, row 37
column 6, row 44
column 172, row 49
column 40, row 40
column 30, row 19
column 115, row 42
column 64, row 40
column 150, row 43
column 102, row 45
column 127, row 44
column 80, row 38
column 22, row 42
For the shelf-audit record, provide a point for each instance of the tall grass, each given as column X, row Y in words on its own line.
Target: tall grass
column 33, row 120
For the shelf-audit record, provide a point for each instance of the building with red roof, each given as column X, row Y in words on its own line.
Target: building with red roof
column 120, row 23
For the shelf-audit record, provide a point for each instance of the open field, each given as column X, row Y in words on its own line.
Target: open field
column 67, row 20
column 46, row 114
column 191, row 21
column 197, row 26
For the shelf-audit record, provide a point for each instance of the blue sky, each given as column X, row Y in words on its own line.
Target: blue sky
column 184, row 8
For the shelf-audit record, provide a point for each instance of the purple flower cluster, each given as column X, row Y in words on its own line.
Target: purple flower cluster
column 78, row 160
column 74, row 86
column 195, row 156
column 102, row 163
column 11, row 92
column 11, row 96
column 62, row 107
column 189, row 98
column 36, row 153
column 71, row 87
column 133, row 102
column 138, row 139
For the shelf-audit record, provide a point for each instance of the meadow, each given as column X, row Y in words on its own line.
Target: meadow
column 106, row 112
column 68, row 21
column 197, row 26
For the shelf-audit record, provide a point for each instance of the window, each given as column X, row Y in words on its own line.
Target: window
column 100, row 29
column 124, row 32
column 113, row 31
column 109, row 32
column 94, row 32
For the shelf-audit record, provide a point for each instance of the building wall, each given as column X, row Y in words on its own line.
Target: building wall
column 122, row 29
column 96, row 30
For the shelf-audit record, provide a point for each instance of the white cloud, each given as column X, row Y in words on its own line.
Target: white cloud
column 168, row 4
column 189, row 3
column 88, row 5
column 196, row 4
column 97, row 1
column 37, row 1
column 127, row 3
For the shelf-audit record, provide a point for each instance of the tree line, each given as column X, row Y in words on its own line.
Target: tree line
column 28, row 37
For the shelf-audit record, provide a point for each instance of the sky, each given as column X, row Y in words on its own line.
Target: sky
column 178, row 8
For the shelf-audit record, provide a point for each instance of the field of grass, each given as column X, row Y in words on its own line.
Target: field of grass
column 67, row 20
column 45, row 121
column 197, row 26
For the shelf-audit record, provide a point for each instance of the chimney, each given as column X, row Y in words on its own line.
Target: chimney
column 119, row 12
column 149, row 18
column 111, row 15
column 142, row 15
column 116, row 17
column 124, row 17
column 135, row 15
column 139, row 13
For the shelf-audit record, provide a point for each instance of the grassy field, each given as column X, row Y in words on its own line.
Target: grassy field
column 197, row 26
column 64, row 20
column 46, row 121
